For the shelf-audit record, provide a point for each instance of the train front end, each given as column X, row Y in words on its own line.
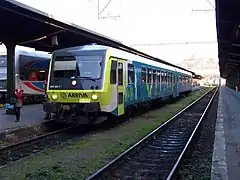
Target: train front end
column 77, row 92
column 3, row 79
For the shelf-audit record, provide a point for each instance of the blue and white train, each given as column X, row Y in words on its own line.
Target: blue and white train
column 31, row 69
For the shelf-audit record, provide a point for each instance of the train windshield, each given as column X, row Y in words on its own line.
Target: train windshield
column 3, row 67
column 82, row 66
column 3, row 72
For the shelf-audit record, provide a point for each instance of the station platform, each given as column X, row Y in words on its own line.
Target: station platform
column 226, row 152
column 30, row 115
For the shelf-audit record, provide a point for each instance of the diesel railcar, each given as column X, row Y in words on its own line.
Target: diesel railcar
column 90, row 83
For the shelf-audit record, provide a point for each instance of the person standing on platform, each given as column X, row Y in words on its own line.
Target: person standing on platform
column 19, row 102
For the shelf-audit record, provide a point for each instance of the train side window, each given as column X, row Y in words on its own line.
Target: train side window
column 158, row 77
column 143, row 73
column 166, row 77
column 154, row 76
column 162, row 79
column 113, row 73
column 120, row 73
column 131, row 75
column 149, row 76
column 120, row 98
column 169, row 78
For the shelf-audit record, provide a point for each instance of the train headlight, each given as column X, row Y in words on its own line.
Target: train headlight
column 94, row 97
column 74, row 82
column 54, row 96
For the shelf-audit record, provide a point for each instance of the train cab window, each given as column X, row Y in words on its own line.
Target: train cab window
column 149, row 76
column 32, row 76
column 143, row 73
column 120, row 73
column 46, row 75
column 131, row 75
column 158, row 77
column 113, row 73
column 154, row 77
column 23, row 76
column 41, row 75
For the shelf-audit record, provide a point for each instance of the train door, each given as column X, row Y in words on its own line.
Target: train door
column 131, row 85
column 121, row 75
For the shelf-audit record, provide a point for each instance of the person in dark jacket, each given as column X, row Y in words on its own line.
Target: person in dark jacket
column 18, row 103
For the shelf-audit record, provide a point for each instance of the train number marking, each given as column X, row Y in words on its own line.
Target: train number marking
column 77, row 95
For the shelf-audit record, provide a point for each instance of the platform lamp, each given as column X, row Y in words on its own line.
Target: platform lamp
column 54, row 42
column 237, row 31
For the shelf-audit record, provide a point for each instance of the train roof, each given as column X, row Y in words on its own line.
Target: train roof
column 33, row 53
column 124, row 55
column 21, row 50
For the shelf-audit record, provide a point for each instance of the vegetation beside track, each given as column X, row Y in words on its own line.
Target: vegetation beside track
column 80, row 158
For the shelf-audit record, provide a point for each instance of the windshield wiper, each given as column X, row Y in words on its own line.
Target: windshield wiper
column 56, row 79
column 83, row 77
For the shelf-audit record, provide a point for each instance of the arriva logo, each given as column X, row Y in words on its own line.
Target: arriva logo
column 77, row 95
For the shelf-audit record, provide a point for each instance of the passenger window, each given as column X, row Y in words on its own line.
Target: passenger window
column 120, row 98
column 154, row 77
column 149, row 76
column 120, row 73
column 143, row 75
column 170, row 78
column 162, row 79
column 131, row 75
column 113, row 73
column 158, row 77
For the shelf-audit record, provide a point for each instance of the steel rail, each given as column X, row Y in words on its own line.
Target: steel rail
column 21, row 143
column 143, row 141
column 190, row 139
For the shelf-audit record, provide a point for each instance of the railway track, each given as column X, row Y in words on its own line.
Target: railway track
column 29, row 147
column 158, row 155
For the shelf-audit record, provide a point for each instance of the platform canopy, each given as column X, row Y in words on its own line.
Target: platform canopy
column 26, row 26
column 228, row 34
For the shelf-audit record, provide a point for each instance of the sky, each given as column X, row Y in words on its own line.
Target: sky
column 143, row 22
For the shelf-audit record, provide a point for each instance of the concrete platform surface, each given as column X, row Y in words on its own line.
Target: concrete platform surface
column 30, row 114
column 226, row 153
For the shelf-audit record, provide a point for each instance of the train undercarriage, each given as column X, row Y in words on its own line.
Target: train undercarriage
column 88, row 113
